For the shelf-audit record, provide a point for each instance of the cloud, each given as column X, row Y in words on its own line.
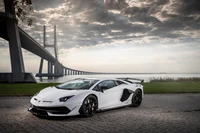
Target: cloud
column 187, row 7
column 87, row 23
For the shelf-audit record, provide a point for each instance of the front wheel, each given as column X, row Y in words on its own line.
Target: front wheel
column 137, row 98
column 89, row 106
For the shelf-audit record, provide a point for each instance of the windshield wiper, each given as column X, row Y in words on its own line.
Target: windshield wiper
column 68, row 88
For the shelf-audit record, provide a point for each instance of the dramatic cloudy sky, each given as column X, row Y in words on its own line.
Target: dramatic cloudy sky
column 117, row 35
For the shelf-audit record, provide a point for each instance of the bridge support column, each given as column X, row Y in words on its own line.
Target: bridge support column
column 16, row 58
column 65, row 70
column 56, row 68
column 72, row 72
column 50, row 69
column 62, row 71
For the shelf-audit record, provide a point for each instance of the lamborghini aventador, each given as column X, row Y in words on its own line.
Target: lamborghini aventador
column 86, row 96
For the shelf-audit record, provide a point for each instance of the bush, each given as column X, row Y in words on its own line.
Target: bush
column 180, row 79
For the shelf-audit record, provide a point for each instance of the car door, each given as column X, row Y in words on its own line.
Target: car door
column 110, row 96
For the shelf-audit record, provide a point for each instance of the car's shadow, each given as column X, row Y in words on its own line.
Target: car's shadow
column 78, row 117
column 57, row 118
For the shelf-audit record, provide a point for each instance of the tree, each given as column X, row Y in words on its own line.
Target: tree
column 22, row 7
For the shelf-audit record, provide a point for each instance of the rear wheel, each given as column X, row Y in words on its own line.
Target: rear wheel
column 89, row 106
column 137, row 98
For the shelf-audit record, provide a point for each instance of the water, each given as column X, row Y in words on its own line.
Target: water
column 146, row 77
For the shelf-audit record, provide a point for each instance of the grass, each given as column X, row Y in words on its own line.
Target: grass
column 172, row 87
column 149, row 88
column 22, row 89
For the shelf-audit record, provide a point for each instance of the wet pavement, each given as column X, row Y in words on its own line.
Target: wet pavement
column 158, row 113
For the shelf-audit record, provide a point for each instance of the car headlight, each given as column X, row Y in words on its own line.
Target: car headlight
column 64, row 99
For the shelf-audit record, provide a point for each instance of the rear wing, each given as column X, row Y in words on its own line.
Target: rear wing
column 129, row 80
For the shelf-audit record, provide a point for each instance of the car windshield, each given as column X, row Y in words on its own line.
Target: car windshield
column 77, row 84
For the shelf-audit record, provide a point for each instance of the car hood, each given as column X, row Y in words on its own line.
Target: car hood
column 53, row 93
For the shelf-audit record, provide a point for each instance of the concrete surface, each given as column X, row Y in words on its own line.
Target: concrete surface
column 158, row 113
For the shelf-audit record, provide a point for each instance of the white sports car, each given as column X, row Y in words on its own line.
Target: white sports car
column 86, row 96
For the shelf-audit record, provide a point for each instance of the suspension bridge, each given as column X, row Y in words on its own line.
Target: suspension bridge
column 18, row 39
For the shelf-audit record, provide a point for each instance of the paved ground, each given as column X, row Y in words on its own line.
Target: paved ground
column 158, row 113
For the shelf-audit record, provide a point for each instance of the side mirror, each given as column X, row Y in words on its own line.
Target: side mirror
column 103, row 88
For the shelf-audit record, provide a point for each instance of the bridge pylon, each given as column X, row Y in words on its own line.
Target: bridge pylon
column 53, row 69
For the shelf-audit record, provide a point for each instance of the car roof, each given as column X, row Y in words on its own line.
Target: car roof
column 101, row 78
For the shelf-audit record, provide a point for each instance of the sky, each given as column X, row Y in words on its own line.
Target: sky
column 132, row 36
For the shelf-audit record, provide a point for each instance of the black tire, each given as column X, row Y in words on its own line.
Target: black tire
column 89, row 106
column 137, row 98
